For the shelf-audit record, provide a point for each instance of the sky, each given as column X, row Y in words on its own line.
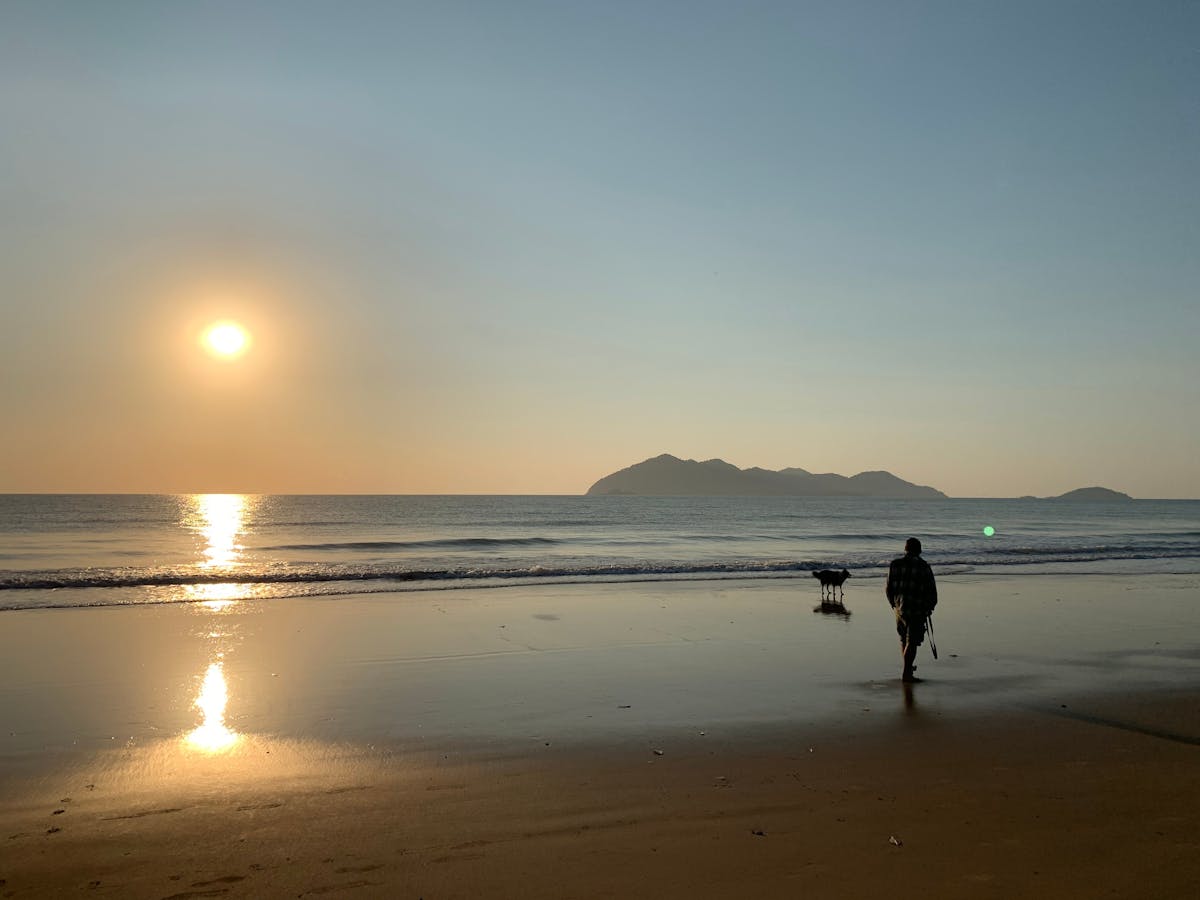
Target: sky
column 511, row 247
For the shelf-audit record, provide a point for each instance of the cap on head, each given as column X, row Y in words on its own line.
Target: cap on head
column 912, row 545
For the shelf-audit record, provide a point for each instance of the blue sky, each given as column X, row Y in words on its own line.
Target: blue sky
column 510, row 247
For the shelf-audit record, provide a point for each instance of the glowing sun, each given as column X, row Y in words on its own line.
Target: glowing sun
column 225, row 340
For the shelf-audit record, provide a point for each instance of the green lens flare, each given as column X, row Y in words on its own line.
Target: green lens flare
column 988, row 530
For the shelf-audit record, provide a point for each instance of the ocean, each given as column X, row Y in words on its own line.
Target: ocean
column 96, row 550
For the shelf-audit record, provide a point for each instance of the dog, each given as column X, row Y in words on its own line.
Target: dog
column 832, row 580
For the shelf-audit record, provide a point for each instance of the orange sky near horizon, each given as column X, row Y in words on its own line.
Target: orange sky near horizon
column 300, row 412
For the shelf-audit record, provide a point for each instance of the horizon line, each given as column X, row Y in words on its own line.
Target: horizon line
column 142, row 493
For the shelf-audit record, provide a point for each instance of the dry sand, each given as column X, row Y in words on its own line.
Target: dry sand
column 1034, row 805
column 995, row 778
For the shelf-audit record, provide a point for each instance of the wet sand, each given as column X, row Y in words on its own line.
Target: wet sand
column 622, row 740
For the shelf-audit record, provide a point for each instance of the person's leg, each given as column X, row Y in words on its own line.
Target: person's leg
column 910, row 657
column 914, row 637
column 908, row 649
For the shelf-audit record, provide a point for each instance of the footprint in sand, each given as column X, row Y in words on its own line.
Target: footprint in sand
column 459, row 857
column 330, row 888
column 224, row 879
column 140, row 815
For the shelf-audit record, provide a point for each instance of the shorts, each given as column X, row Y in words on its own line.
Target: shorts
column 910, row 632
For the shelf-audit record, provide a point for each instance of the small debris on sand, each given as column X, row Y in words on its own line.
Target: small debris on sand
column 895, row 841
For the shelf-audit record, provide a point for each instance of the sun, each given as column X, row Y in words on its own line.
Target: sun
column 225, row 340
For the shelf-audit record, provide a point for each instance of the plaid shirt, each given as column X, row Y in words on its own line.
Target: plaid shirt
column 910, row 585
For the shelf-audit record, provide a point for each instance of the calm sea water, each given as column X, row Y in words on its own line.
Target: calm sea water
column 87, row 550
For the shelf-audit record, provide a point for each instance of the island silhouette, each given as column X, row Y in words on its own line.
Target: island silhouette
column 1093, row 495
column 670, row 476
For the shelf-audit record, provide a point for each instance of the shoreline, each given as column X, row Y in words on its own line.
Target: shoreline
column 780, row 573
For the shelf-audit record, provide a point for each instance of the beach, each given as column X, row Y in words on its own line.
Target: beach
column 646, row 739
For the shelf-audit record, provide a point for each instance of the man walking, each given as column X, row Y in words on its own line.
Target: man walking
column 912, row 593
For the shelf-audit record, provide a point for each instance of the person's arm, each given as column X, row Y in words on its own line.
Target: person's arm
column 932, row 589
column 890, row 588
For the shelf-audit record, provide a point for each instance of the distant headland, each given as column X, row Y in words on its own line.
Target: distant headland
column 670, row 476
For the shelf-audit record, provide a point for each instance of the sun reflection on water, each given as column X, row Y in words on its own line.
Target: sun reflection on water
column 212, row 735
column 219, row 521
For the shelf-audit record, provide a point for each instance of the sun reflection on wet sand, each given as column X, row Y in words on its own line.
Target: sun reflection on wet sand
column 216, row 597
column 212, row 735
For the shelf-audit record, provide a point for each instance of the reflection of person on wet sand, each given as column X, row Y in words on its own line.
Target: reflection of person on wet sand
column 912, row 592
